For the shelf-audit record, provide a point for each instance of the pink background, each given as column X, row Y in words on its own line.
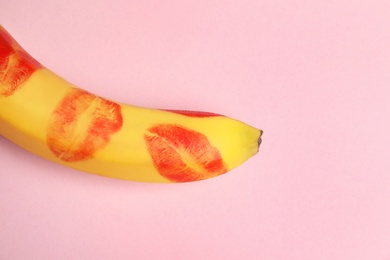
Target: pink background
column 314, row 75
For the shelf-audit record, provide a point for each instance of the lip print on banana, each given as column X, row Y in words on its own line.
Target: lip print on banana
column 82, row 124
column 16, row 65
column 182, row 154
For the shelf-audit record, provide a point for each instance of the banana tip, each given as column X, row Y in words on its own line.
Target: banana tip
column 259, row 140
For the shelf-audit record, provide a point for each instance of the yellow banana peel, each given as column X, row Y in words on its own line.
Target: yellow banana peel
column 52, row 118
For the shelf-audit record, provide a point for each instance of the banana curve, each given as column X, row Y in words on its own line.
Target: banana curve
column 52, row 118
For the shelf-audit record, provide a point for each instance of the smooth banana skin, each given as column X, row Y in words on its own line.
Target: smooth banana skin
column 50, row 117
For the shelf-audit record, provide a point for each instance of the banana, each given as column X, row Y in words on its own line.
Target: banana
column 52, row 118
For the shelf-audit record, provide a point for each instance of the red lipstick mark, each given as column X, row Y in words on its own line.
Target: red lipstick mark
column 82, row 124
column 192, row 113
column 183, row 155
column 16, row 65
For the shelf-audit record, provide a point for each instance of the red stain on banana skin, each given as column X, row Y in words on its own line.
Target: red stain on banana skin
column 82, row 124
column 183, row 155
column 192, row 113
column 16, row 65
